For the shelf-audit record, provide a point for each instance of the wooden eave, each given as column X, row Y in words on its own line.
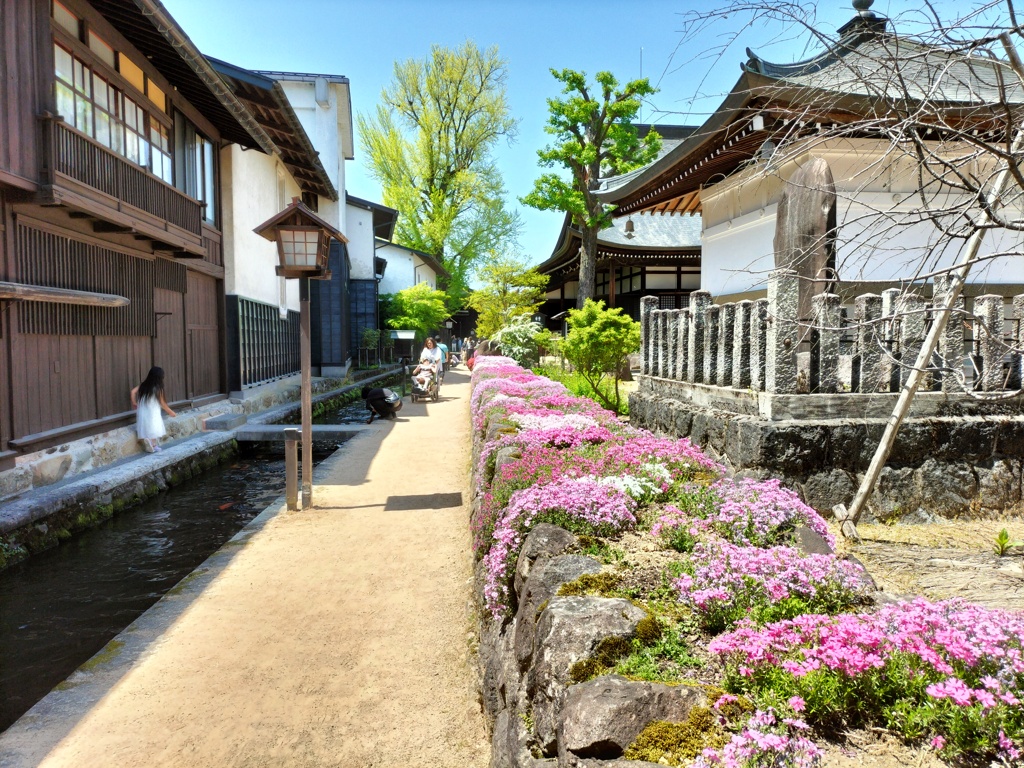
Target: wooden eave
column 566, row 256
column 727, row 141
column 267, row 101
column 151, row 29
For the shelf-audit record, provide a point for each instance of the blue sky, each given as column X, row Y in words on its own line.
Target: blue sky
column 362, row 40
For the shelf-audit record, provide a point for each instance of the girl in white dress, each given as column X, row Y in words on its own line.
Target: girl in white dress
column 148, row 398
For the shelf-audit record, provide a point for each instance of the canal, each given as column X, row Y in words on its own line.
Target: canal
column 60, row 607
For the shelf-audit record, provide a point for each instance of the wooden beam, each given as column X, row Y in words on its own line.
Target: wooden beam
column 60, row 295
column 106, row 226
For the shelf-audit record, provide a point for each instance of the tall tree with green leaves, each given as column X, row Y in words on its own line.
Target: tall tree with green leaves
column 509, row 288
column 594, row 138
column 430, row 146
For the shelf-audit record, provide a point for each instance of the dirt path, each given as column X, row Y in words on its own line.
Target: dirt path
column 337, row 637
column 945, row 560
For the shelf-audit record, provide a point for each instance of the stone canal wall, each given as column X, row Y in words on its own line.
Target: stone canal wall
column 56, row 493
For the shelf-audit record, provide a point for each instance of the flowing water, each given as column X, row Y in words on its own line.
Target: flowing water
column 60, row 607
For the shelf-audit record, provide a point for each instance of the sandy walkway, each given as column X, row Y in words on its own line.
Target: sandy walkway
column 337, row 637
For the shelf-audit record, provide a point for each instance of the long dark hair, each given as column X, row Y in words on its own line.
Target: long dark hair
column 153, row 386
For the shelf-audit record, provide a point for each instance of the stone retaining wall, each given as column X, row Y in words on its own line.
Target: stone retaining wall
column 940, row 467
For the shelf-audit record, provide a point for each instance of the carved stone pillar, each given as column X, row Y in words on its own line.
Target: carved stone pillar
column 951, row 344
column 741, row 345
column 783, row 301
column 989, row 332
column 758, row 344
column 726, row 331
column 647, row 305
column 912, row 323
column 711, row 344
column 870, row 336
column 825, row 367
column 699, row 303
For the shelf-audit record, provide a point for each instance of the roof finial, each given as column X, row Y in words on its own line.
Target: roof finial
column 862, row 7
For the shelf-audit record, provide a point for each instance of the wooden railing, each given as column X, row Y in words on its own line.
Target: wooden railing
column 89, row 162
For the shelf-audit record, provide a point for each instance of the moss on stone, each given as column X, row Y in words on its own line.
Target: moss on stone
column 648, row 630
column 603, row 584
column 676, row 744
column 110, row 652
column 585, row 670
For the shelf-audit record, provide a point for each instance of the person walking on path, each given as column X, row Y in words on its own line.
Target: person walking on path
column 433, row 353
column 148, row 400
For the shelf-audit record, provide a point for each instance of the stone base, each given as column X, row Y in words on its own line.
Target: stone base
column 941, row 467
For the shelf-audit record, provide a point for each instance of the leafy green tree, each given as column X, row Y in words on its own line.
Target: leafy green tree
column 594, row 138
column 419, row 308
column 509, row 289
column 597, row 344
column 430, row 146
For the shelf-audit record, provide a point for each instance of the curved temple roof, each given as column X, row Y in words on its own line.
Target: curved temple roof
column 867, row 73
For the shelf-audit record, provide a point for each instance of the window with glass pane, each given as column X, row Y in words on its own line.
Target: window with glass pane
column 209, row 181
column 160, row 136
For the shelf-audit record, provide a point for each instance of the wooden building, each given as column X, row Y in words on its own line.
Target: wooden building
column 656, row 256
column 111, row 127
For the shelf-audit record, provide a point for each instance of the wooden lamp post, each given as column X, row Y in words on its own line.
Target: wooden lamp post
column 303, row 244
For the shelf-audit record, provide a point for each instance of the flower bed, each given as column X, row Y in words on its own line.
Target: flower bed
column 948, row 671
column 946, row 674
column 724, row 583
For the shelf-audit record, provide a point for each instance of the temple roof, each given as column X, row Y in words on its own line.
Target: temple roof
column 867, row 73
column 657, row 239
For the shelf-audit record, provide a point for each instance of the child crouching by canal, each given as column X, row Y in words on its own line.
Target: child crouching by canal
column 148, row 398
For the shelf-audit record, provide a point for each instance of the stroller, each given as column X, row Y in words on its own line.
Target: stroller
column 425, row 391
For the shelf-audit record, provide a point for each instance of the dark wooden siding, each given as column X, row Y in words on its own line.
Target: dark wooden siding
column 169, row 344
column 202, row 313
column 362, row 296
column 58, row 261
column 5, row 335
column 330, row 312
column 121, row 364
column 53, row 381
column 24, row 35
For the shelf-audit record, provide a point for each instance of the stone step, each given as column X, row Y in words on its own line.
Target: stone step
column 262, row 433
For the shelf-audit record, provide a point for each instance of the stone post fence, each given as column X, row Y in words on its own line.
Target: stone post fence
column 866, row 347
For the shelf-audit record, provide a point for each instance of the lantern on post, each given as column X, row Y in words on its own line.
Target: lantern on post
column 303, row 245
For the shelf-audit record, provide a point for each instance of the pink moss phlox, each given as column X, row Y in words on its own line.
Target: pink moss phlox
column 949, row 638
column 766, row 741
column 753, row 512
column 726, row 577
column 592, row 505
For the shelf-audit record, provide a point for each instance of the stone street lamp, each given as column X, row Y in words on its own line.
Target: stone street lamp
column 303, row 244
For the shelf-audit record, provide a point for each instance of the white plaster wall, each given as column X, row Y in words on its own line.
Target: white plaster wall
column 401, row 271
column 880, row 236
column 249, row 185
column 423, row 273
column 360, row 242
column 325, row 125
